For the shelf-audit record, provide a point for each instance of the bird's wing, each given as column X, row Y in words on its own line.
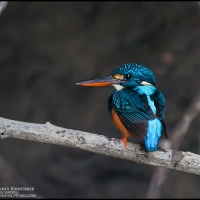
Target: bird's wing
column 134, row 115
column 134, row 123
column 159, row 102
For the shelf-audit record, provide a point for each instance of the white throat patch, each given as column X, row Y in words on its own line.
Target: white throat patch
column 118, row 87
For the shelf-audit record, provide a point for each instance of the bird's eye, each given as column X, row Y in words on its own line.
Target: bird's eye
column 127, row 76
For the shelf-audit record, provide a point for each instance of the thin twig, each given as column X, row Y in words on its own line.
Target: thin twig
column 181, row 129
column 48, row 133
column 157, row 179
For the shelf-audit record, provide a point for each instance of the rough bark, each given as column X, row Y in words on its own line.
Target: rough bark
column 48, row 133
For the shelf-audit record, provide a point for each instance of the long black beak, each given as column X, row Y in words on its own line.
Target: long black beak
column 109, row 80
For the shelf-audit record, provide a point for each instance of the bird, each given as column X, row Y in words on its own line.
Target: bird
column 136, row 106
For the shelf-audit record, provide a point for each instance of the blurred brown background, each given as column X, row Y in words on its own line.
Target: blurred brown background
column 46, row 47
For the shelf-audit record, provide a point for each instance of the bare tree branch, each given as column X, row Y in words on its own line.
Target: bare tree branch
column 177, row 136
column 48, row 133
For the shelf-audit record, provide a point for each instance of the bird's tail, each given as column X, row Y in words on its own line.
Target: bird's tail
column 154, row 133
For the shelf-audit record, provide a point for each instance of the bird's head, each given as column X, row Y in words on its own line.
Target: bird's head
column 127, row 75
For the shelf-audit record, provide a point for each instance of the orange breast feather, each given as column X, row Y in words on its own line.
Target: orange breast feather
column 119, row 124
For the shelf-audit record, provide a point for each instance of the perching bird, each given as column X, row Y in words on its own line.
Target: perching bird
column 136, row 106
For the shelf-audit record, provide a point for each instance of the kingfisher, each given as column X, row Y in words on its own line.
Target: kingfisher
column 136, row 106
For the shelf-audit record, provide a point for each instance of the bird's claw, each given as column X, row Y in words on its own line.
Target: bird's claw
column 124, row 140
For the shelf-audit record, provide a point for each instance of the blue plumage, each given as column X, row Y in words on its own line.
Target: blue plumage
column 136, row 106
column 140, row 107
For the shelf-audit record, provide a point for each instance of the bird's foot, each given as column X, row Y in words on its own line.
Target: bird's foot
column 124, row 140
column 143, row 148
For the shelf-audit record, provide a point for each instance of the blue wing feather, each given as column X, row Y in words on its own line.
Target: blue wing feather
column 133, row 111
column 134, row 106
